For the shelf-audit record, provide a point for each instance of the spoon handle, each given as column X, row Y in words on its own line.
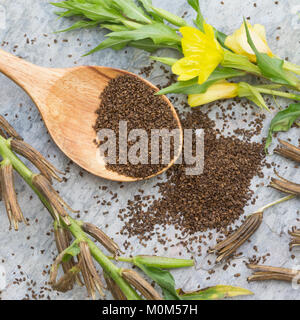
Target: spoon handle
column 33, row 79
column 17, row 69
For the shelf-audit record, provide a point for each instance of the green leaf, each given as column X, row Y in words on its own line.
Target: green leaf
column 116, row 44
column 283, row 121
column 199, row 22
column 240, row 62
column 164, row 60
column 147, row 4
column 70, row 252
column 114, row 27
column 131, row 10
column 252, row 93
column 80, row 24
column 96, row 12
column 193, row 87
column 158, row 32
column 162, row 262
column 271, row 67
column 163, row 278
column 214, row 293
column 149, row 46
column 170, row 17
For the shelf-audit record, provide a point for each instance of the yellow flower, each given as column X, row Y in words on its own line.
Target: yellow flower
column 202, row 54
column 217, row 91
column 238, row 43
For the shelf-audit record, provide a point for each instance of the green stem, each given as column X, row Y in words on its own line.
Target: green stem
column 103, row 260
column 275, row 202
column 279, row 93
column 157, row 262
column 74, row 227
column 291, row 67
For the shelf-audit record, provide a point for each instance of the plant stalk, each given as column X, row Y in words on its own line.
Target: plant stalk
column 262, row 209
column 279, row 93
column 74, row 226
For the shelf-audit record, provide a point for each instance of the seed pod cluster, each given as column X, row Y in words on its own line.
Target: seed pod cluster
column 16, row 144
column 28, row 152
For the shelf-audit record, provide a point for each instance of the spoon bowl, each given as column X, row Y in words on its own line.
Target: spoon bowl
column 67, row 100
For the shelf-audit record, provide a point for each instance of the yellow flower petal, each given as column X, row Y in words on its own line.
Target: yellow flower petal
column 217, row 91
column 186, row 68
column 261, row 31
column 238, row 42
column 202, row 54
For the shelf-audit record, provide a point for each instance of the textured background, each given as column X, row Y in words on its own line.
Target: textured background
column 27, row 254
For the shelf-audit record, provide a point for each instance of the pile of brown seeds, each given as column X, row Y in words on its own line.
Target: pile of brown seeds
column 212, row 200
column 127, row 98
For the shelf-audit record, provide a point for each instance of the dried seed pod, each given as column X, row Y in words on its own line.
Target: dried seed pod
column 13, row 209
column 65, row 283
column 295, row 234
column 90, row 275
column 63, row 241
column 101, row 237
column 4, row 125
column 140, row 284
column 286, row 186
column 114, row 288
column 58, row 204
column 288, row 150
column 44, row 166
column 272, row 273
column 227, row 247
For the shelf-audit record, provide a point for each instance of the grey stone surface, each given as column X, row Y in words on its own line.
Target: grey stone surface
column 28, row 253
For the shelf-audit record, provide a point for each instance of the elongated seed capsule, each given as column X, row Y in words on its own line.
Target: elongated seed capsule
column 4, row 124
column 234, row 236
column 140, row 284
column 45, row 188
column 230, row 250
column 272, row 273
column 44, row 166
column 114, row 288
column 228, row 246
column 285, row 186
column 13, row 209
column 91, row 273
column 101, row 237
column 262, row 268
column 288, row 150
column 63, row 241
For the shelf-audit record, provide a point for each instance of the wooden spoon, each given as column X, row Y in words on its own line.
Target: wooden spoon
column 67, row 100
